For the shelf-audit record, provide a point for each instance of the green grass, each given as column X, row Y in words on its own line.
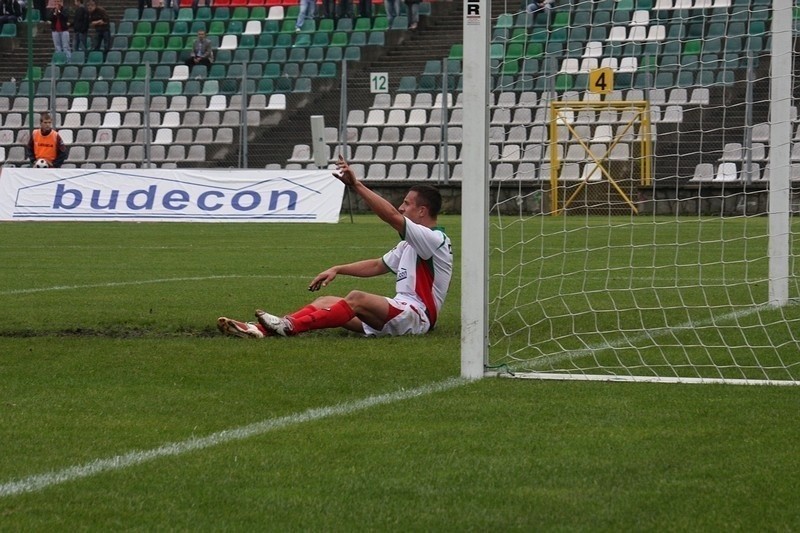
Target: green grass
column 108, row 346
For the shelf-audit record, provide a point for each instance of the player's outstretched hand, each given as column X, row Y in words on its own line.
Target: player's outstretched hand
column 322, row 279
column 344, row 173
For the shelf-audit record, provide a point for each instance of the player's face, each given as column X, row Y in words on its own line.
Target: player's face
column 46, row 125
column 410, row 208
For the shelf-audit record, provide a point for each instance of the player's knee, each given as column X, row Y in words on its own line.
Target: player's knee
column 355, row 299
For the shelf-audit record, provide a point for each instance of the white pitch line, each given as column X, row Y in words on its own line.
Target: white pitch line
column 141, row 282
column 39, row 482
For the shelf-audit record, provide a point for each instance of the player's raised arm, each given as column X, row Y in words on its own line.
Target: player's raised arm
column 379, row 205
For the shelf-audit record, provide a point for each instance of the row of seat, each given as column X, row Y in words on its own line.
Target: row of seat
column 291, row 80
column 117, row 153
column 120, row 104
column 674, row 96
column 251, row 26
column 134, row 119
column 127, row 136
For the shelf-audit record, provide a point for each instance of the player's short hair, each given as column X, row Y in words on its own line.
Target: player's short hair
column 430, row 197
column 45, row 116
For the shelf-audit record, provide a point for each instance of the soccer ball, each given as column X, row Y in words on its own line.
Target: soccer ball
column 41, row 163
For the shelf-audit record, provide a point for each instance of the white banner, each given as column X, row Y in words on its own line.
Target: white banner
column 191, row 195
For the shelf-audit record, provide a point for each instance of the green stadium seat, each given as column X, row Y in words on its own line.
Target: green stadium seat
column 265, row 40
column 140, row 73
column 217, row 71
column 377, row 38
column 139, row 43
column 161, row 28
column 316, row 54
column 272, row 70
column 260, row 55
column 216, row 27
column 173, row 88
column 352, row 53
column 258, row 13
column 309, row 70
column 149, row 14
column 175, row 42
column 284, row 85
column 278, row 55
column 222, row 13
column 504, row 20
column 157, row 43
column 265, row 86
column 456, row 51
column 302, row 85
column 192, row 87
column 125, row 73
column 339, row 39
column 81, row 88
column 156, row 87
column 241, row 13
column 327, row 69
column 334, row 53
column 143, row 27
column 95, row 57
column 118, row 88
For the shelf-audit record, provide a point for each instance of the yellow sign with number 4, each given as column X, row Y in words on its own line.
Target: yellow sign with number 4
column 601, row 80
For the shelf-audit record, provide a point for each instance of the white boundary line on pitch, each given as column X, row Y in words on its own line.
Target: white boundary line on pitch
column 141, row 282
column 39, row 482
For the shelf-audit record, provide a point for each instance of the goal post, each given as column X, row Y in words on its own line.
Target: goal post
column 475, row 190
column 694, row 279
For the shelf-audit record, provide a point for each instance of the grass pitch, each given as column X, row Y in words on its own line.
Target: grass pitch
column 108, row 349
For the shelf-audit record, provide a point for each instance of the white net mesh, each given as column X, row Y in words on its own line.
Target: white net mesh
column 618, row 252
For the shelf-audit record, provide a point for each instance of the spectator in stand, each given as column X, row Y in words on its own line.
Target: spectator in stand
column 195, row 3
column 202, row 51
column 80, row 27
column 308, row 9
column 59, row 26
column 175, row 5
column 365, row 8
column 392, row 10
column 345, row 8
column 413, row 13
column 539, row 5
column 46, row 143
column 98, row 19
column 329, row 9
column 41, row 6
column 143, row 4
column 7, row 15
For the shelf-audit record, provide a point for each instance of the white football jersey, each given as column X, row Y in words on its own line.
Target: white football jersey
column 423, row 263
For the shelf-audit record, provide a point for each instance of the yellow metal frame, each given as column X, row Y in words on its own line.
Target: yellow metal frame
column 642, row 115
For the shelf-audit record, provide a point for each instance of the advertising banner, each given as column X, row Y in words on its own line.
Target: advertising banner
column 184, row 195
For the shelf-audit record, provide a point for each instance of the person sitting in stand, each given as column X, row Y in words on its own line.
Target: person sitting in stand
column 202, row 51
column 46, row 143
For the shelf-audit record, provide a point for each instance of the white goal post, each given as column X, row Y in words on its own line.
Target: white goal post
column 696, row 283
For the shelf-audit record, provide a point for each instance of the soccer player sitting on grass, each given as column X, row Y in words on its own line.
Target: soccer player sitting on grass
column 422, row 262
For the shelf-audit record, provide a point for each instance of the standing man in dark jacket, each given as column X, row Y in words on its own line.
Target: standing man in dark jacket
column 80, row 27
column 98, row 19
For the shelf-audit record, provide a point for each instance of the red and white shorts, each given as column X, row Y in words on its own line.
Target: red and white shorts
column 405, row 318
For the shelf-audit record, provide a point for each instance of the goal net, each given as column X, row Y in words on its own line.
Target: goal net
column 633, row 161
